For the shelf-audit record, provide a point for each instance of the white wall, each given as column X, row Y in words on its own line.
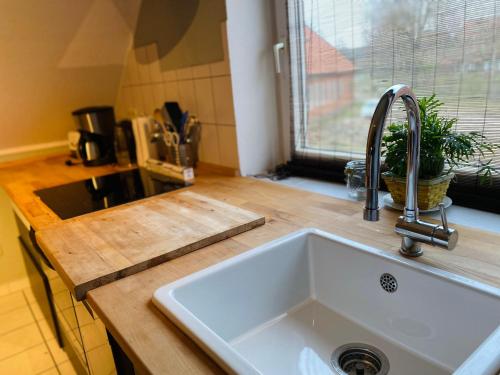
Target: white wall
column 57, row 56
column 203, row 90
column 250, row 27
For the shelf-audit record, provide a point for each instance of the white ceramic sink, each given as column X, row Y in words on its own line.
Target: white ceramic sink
column 284, row 307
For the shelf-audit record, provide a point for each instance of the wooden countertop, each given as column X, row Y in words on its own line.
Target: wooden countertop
column 156, row 345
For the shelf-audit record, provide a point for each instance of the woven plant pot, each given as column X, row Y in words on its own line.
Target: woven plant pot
column 430, row 192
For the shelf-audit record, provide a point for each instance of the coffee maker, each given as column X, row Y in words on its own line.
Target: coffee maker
column 96, row 127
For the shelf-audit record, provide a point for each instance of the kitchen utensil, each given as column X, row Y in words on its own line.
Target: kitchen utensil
column 172, row 140
column 192, row 133
column 173, row 114
column 182, row 127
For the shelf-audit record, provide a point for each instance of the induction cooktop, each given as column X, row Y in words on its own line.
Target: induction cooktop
column 99, row 193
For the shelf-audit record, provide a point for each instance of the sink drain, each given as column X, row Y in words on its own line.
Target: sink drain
column 359, row 359
column 388, row 283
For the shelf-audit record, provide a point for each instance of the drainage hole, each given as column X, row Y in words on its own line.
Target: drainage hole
column 388, row 283
column 359, row 359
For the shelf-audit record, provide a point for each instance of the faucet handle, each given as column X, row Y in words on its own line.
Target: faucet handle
column 444, row 221
column 444, row 236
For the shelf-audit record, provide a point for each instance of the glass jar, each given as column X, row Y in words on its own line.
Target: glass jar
column 355, row 171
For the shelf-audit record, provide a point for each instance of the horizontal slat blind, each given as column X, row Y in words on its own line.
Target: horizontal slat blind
column 346, row 53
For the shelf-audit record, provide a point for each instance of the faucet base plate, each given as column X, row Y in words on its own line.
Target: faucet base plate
column 411, row 253
column 410, row 248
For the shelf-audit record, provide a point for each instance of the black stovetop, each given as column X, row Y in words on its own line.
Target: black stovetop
column 98, row 193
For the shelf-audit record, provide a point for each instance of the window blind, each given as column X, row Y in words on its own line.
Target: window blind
column 345, row 54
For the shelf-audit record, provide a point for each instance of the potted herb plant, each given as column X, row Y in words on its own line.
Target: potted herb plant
column 442, row 150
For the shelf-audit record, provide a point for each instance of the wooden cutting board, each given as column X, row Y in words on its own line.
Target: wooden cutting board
column 95, row 249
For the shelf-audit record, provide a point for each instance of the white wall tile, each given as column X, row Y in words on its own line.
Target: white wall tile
column 185, row 73
column 204, row 100
column 120, row 107
column 158, row 94
column 228, row 149
column 132, row 69
column 142, row 66
column 209, row 145
column 187, row 97
column 154, row 63
column 201, row 71
column 223, row 98
column 128, row 98
column 137, row 103
column 171, row 91
column 125, row 78
column 220, row 68
column 169, row 75
column 203, row 90
column 149, row 99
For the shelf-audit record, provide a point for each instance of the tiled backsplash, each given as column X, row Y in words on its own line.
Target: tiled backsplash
column 203, row 90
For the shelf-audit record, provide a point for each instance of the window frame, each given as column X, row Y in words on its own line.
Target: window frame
column 329, row 165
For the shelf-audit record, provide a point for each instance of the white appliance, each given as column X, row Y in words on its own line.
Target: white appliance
column 73, row 141
column 143, row 132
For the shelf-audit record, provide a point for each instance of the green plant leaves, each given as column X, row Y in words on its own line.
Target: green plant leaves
column 440, row 146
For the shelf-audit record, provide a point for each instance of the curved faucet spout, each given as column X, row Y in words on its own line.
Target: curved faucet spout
column 374, row 146
column 412, row 230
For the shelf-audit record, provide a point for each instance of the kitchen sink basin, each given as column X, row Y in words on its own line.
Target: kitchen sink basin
column 315, row 303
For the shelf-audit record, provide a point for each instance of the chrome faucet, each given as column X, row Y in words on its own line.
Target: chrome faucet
column 409, row 226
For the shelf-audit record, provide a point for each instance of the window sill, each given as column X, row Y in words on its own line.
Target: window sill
column 456, row 214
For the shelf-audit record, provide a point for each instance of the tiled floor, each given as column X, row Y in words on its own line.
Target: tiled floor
column 27, row 345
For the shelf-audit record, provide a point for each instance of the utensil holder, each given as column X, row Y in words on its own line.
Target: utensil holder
column 185, row 154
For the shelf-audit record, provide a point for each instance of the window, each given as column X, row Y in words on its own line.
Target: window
column 343, row 54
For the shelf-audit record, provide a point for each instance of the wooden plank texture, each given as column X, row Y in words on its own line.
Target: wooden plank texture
column 95, row 249
column 157, row 346
column 154, row 343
